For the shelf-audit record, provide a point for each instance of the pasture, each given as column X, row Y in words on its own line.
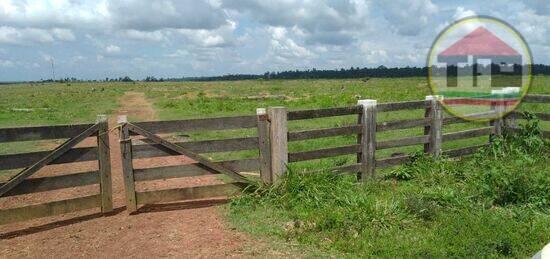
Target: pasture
column 55, row 103
column 50, row 104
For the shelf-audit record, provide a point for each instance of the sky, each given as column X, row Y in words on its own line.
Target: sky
column 95, row 39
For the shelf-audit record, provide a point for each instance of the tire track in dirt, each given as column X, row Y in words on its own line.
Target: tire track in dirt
column 186, row 229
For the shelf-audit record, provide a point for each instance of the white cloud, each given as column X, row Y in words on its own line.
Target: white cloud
column 319, row 22
column 285, row 48
column 220, row 37
column 55, row 20
column 102, row 14
column 178, row 54
column 46, row 57
column 6, row 63
column 462, row 12
column 24, row 36
column 409, row 17
column 535, row 27
column 63, row 34
column 459, row 13
column 149, row 15
column 373, row 54
column 51, row 14
column 27, row 36
column 112, row 49
column 146, row 35
column 210, row 37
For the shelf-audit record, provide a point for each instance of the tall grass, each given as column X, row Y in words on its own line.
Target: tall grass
column 494, row 203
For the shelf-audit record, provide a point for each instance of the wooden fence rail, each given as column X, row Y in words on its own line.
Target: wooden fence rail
column 22, row 183
column 13, row 161
column 325, row 112
column 222, row 123
column 41, row 132
column 432, row 139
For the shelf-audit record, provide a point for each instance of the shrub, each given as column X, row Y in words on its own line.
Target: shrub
column 512, row 170
column 325, row 202
column 421, row 207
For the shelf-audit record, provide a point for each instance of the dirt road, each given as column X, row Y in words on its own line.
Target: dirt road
column 187, row 229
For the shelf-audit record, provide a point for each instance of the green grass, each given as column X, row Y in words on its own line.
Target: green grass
column 49, row 104
column 80, row 103
column 493, row 204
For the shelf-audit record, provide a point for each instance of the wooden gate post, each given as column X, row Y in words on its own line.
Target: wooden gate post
column 127, row 165
column 498, row 108
column 434, row 111
column 509, row 121
column 368, row 138
column 278, row 141
column 263, row 146
column 104, row 159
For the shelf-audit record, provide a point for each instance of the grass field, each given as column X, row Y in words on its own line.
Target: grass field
column 49, row 104
column 80, row 102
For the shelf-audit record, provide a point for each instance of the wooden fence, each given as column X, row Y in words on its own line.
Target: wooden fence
column 367, row 129
column 271, row 139
column 66, row 153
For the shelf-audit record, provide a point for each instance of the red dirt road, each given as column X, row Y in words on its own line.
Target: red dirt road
column 187, row 229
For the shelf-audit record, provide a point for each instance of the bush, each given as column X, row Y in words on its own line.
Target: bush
column 325, row 202
column 421, row 207
column 513, row 169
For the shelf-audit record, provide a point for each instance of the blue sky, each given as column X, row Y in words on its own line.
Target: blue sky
column 174, row 38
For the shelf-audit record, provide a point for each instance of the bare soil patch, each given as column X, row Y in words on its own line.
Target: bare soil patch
column 185, row 229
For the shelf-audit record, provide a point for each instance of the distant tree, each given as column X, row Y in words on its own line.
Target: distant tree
column 126, row 79
column 352, row 72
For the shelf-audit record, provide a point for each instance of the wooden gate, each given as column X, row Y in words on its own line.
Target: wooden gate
column 22, row 182
column 156, row 146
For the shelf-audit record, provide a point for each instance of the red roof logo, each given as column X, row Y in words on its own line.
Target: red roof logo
column 480, row 42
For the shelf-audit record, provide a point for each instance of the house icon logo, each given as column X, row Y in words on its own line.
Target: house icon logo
column 480, row 67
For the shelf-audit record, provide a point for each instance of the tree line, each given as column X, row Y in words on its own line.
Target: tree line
column 352, row 72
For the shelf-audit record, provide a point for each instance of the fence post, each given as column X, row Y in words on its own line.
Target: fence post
column 497, row 107
column 427, row 115
column 263, row 146
column 434, row 111
column 278, row 141
column 360, row 140
column 510, row 121
column 368, row 138
column 104, row 159
column 127, row 165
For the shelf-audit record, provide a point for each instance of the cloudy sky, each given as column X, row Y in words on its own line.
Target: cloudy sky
column 172, row 38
